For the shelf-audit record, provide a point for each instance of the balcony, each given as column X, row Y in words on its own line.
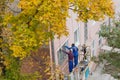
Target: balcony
column 80, row 72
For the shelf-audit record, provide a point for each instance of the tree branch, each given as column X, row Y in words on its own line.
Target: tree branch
column 75, row 9
column 13, row 10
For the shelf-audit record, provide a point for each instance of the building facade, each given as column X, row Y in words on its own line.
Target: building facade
column 80, row 33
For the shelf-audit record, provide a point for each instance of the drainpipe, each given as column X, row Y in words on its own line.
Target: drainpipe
column 85, row 32
column 52, row 56
column 52, row 51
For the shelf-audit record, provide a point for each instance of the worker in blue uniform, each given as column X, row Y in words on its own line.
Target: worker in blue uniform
column 75, row 53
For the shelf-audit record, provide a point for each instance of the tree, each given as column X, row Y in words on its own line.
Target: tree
column 40, row 20
column 111, row 33
column 2, row 12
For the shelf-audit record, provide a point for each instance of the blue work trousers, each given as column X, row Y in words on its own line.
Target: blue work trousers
column 70, row 65
column 75, row 60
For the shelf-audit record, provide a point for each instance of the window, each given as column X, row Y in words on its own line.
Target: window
column 76, row 36
column 100, row 40
column 93, row 44
column 62, row 56
column 109, row 22
column 85, row 32
column 93, row 54
column 93, row 48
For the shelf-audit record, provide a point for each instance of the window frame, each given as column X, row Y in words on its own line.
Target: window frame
column 62, row 56
column 76, row 36
column 85, row 31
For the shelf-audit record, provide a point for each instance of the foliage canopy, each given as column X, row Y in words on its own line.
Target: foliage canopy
column 40, row 20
